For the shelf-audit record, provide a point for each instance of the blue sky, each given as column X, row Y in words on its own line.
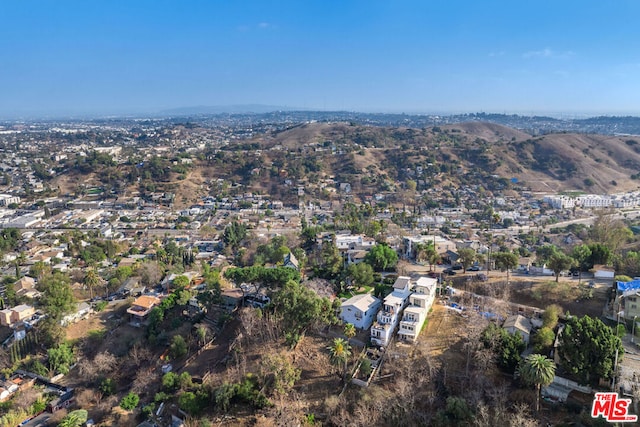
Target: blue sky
column 74, row 57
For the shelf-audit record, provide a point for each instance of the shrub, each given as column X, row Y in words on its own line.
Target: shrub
column 365, row 367
column 178, row 347
column 130, row 401
column 161, row 397
column 108, row 386
column 170, row 381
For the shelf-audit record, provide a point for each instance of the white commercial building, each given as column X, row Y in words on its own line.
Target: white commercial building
column 6, row 199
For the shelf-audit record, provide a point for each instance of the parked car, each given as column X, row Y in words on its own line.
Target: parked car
column 449, row 271
column 457, row 267
column 475, row 268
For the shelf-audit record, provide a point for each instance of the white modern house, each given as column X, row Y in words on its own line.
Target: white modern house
column 391, row 312
column 360, row 310
column 415, row 314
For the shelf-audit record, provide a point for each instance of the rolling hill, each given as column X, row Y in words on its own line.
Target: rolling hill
column 552, row 162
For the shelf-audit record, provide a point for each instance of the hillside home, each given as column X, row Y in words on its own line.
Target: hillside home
column 391, row 312
column 441, row 245
column 291, row 261
column 518, row 324
column 356, row 256
column 82, row 311
column 631, row 305
column 626, row 301
column 360, row 310
column 141, row 307
column 26, row 287
column 415, row 313
column 346, row 242
column 19, row 313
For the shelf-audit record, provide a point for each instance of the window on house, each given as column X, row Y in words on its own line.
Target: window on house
column 358, row 314
column 633, row 305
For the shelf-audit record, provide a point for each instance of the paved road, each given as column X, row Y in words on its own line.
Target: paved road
column 632, row 214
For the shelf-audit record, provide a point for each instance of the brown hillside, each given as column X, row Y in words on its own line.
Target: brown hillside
column 554, row 162
column 374, row 159
column 489, row 131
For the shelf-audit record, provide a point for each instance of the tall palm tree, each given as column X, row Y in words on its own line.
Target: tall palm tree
column 538, row 371
column 349, row 330
column 91, row 280
column 340, row 351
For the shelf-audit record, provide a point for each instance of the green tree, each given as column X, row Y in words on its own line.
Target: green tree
column 299, row 308
column 60, row 358
column 339, row 352
column 544, row 254
column 202, row 334
column 331, row 260
column 361, row 274
column 538, row 371
column 234, row 234
column 278, row 374
column 543, row 340
column 381, row 257
column 581, row 254
column 170, row 381
column 609, row 231
column 560, row 262
column 57, row 297
column 600, row 254
column 74, row 418
column 467, row 257
column 178, row 347
column 130, row 401
column 588, row 349
column 180, row 282
column 505, row 346
column 505, row 261
column 551, row 315
column 40, row 270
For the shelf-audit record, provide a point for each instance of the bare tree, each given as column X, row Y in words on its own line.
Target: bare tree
column 144, row 377
column 105, row 362
column 150, row 273
column 139, row 355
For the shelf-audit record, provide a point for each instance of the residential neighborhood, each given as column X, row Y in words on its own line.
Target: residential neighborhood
column 163, row 274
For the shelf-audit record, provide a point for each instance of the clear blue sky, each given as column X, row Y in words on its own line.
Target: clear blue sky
column 112, row 56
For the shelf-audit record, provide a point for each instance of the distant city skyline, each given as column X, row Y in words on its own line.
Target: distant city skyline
column 63, row 58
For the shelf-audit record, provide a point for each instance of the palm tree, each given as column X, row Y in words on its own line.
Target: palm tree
column 340, row 351
column 91, row 280
column 349, row 330
column 432, row 256
column 538, row 371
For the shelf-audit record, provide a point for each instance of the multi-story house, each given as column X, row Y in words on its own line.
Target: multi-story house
column 360, row 310
column 391, row 312
column 415, row 314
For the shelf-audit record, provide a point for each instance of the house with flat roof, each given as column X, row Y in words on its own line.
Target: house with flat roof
column 391, row 312
column 415, row 314
column 19, row 313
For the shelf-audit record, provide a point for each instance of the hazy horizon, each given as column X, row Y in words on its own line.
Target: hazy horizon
column 72, row 57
